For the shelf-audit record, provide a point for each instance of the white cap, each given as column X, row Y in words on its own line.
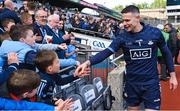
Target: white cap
column 160, row 26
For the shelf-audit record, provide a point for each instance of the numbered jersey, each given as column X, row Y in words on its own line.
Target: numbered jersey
column 140, row 53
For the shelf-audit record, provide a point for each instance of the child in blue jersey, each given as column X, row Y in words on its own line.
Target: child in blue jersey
column 71, row 51
column 24, row 45
column 139, row 43
column 47, row 63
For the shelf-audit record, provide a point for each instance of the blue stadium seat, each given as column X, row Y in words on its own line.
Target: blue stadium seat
column 97, row 82
column 79, row 83
column 89, row 93
column 71, row 89
column 78, row 102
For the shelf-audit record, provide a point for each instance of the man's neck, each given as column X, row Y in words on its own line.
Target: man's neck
column 138, row 28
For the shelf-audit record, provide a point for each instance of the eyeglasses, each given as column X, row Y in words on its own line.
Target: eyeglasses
column 43, row 16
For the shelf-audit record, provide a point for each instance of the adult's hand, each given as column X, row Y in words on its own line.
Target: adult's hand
column 173, row 81
column 83, row 69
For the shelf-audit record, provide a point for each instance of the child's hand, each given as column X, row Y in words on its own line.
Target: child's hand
column 63, row 105
column 62, row 46
column 76, row 50
column 12, row 58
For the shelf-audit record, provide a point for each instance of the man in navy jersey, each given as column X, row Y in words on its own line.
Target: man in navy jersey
column 139, row 43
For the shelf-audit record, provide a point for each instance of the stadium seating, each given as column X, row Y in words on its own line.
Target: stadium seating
column 89, row 93
column 97, row 82
column 85, row 96
column 78, row 102
column 79, row 83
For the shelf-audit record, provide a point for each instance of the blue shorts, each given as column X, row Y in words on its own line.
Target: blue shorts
column 149, row 94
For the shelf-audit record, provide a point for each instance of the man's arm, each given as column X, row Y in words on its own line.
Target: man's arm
column 50, row 46
column 114, row 46
column 13, row 65
column 169, row 61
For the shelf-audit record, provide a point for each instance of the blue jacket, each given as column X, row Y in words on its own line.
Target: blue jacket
column 39, row 30
column 56, row 40
column 6, row 13
column 7, row 104
column 21, row 49
column 48, row 82
column 5, row 74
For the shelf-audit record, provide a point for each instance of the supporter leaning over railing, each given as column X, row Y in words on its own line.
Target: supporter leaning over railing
column 7, row 104
column 48, row 64
column 24, row 44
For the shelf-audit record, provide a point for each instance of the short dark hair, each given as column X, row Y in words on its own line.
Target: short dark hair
column 22, row 81
column 19, row 31
column 169, row 24
column 130, row 8
column 44, row 59
column 6, row 21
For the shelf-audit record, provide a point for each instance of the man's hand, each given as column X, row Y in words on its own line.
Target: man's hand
column 12, row 58
column 63, row 105
column 38, row 38
column 173, row 81
column 62, row 46
column 83, row 69
column 66, row 36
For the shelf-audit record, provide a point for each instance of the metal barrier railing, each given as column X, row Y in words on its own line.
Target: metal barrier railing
column 117, row 58
column 90, row 32
column 101, row 69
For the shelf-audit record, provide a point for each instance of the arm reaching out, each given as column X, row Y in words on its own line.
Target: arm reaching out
column 83, row 69
column 63, row 105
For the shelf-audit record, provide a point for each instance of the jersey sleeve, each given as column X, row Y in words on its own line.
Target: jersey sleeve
column 165, row 52
column 116, row 44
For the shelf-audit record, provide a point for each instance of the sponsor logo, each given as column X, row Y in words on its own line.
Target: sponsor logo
column 150, row 42
column 99, row 44
column 140, row 53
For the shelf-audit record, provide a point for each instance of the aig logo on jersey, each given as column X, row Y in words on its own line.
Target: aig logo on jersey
column 140, row 53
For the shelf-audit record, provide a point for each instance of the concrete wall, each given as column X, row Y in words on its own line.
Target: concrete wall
column 115, row 80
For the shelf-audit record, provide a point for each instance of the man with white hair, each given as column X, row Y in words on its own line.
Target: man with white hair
column 8, row 12
column 40, row 22
column 52, row 31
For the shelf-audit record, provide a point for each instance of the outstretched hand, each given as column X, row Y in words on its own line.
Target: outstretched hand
column 63, row 105
column 62, row 46
column 12, row 58
column 83, row 69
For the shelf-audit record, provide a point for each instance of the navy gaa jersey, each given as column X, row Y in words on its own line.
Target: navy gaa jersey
column 140, row 53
